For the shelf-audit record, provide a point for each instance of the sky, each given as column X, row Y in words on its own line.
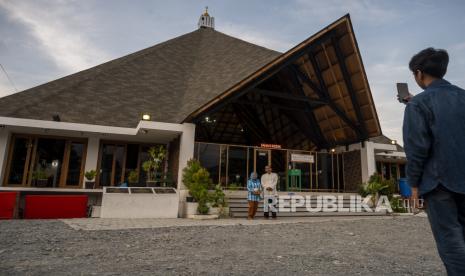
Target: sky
column 42, row 40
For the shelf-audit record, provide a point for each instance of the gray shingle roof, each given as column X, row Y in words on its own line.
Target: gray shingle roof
column 169, row 81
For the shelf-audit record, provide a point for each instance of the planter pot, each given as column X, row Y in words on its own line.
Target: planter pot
column 224, row 211
column 214, row 211
column 42, row 183
column 191, row 208
column 203, row 217
column 151, row 183
column 90, row 185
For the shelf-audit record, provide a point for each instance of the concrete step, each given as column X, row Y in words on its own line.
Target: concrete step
column 238, row 207
column 312, row 214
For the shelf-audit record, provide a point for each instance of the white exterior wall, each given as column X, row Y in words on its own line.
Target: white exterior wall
column 186, row 149
column 116, row 205
column 186, row 152
column 4, row 136
column 93, row 144
column 368, row 161
column 368, row 158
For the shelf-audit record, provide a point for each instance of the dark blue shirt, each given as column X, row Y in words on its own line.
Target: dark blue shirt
column 434, row 138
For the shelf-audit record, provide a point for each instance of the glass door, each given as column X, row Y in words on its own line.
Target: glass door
column 261, row 160
column 112, row 165
column 18, row 163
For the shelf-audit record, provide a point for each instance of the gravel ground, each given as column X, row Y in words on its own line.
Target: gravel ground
column 394, row 246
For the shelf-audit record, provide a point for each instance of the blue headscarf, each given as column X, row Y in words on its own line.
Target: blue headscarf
column 252, row 178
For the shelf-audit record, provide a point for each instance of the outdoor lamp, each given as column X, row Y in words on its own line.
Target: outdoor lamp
column 146, row 117
column 393, row 142
column 333, row 150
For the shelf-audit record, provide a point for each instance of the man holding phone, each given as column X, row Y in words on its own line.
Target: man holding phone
column 434, row 141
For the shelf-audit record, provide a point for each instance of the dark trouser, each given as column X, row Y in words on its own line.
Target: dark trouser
column 253, row 205
column 446, row 214
column 266, row 212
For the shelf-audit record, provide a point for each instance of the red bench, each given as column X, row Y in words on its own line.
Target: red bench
column 8, row 204
column 55, row 206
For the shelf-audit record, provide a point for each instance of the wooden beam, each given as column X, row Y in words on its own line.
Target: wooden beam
column 273, row 105
column 324, row 92
column 291, row 97
column 320, row 140
column 251, row 124
column 350, row 88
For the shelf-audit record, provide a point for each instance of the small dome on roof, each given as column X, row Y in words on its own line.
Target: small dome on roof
column 206, row 21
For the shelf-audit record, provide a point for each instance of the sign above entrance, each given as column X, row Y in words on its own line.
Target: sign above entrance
column 270, row 146
column 302, row 158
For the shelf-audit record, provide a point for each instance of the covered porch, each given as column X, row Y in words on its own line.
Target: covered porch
column 51, row 158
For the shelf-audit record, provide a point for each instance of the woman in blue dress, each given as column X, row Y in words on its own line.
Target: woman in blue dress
column 254, row 189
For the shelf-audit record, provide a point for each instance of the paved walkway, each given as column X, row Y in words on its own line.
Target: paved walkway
column 121, row 224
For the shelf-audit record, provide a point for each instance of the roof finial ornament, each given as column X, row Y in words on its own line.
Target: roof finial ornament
column 206, row 21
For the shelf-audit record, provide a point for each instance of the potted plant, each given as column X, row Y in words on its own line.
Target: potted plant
column 374, row 188
column 197, row 181
column 133, row 178
column 90, row 176
column 156, row 156
column 40, row 177
column 218, row 201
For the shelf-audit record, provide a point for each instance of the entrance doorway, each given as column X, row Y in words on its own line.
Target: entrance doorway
column 277, row 159
column 261, row 160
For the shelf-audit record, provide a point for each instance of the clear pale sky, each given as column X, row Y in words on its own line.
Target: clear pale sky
column 42, row 40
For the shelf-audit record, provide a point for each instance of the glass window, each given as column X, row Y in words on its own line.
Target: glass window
column 18, row 160
column 304, row 169
column 237, row 166
column 40, row 162
column 209, row 158
column 279, row 166
column 144, row 156
column 106, row 165
column 48, row 162
column 402, row 170
column 75, row 164
column 224, row 164
column 394, row 171
column 324, row 171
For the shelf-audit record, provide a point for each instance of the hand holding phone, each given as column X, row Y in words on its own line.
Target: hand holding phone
column 403, row 95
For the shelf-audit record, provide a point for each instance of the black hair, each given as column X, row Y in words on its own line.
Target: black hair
column 430, row 61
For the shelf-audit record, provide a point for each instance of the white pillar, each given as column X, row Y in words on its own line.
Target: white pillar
column 186, row 152
column 186, row 149
column 93, row 145
column 368, row 161
column 4, row 135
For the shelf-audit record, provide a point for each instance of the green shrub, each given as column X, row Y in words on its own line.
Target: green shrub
column 156, row 156
column 193, row 166
column 39, row 174
column 234, row 186
column 397, row 205
column 197, row 181
column 90, row 175
column 133, row 177
column 218, row 197
column 375, row 187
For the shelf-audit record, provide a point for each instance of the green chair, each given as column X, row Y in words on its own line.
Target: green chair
column 294, row 182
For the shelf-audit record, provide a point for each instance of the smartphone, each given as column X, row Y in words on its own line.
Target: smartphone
column 402, row 91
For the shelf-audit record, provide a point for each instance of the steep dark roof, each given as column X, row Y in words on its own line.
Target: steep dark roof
column 169, row 81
